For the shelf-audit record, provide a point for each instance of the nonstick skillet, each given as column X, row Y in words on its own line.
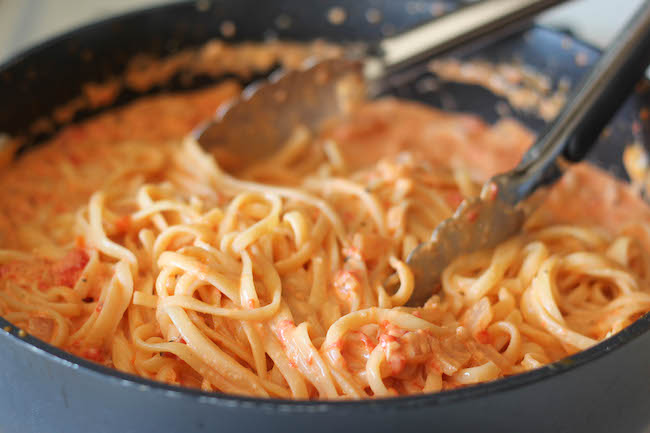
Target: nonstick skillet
column 44, row 389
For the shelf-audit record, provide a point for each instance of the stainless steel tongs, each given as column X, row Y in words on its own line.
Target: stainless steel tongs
column 266, row 115
column 258, row 123
column 496, row 215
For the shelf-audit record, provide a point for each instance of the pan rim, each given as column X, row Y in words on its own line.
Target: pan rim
column 13, row 335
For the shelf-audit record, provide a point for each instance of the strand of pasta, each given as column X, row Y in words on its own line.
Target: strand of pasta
column 237, row 286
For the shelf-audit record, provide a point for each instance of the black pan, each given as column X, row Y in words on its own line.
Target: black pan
column 43, row 389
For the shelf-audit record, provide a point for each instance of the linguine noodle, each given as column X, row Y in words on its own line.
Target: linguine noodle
column 128, row 245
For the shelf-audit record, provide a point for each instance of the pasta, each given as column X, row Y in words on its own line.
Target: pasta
column 127, row 244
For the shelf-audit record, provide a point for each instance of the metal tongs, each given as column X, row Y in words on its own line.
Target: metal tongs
column 263, row 119
column 497, row 214
column 258, row 123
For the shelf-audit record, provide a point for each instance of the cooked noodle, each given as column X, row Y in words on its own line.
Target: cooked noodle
column 289, row 279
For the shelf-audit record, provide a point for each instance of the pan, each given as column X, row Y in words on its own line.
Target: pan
column 44, row 389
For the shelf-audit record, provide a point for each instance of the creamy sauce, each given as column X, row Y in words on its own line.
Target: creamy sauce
column 126, row 245
column 36, row 187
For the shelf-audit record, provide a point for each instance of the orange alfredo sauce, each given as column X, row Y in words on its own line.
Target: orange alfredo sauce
column 125, row 245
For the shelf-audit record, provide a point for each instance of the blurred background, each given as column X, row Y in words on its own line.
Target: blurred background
column 26, row 22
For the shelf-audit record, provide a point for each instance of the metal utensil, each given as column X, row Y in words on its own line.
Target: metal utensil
column 494, row 216
column 259, row 122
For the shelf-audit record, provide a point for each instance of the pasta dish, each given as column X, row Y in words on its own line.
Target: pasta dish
column 125, row 243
